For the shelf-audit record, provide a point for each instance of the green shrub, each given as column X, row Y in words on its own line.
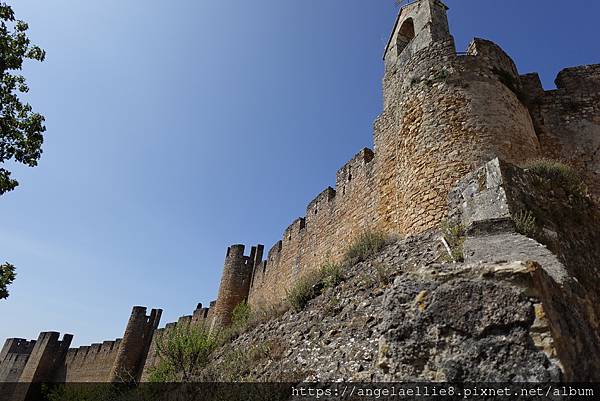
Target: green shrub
column 331, row 308
column 184, row 350
column 331, row 274
column 312, row 284
column 242, row 319
column 558, row 171
column 264, row 313
column 305, row 289
column 525, row 222
column 364, row 246
column 439, row 76
column 239, row 365
column 455, row 236
column 241, row 315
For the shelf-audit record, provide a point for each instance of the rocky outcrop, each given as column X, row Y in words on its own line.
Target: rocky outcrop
column 512, row 311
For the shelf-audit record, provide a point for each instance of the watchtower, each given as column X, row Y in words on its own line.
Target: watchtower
column 235, row 281
column 444, row 114
column 129, row 362
column 419, row 23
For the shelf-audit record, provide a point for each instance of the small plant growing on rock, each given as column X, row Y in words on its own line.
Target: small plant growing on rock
column 332, row 306
column 382, row 273
column 364, row 246
column 525, row 222
column 439, row 76
column 264, row 313
column 312, row 284
column 331, row 274
column 305, row 289
column 241, row 315
column 561, row 172
column 239, row 365
column 242, row 319
column 455, row 236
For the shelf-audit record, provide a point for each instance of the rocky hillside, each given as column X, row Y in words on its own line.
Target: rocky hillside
column 485, row 303
column 406, row 315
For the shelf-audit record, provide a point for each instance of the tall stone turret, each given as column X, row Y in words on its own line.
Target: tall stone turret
column 444, row 115
column 47, row 354
column 235, row 282
column 418, row 25
column 134, row 347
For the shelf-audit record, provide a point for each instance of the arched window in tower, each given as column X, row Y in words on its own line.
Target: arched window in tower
column 406, row 33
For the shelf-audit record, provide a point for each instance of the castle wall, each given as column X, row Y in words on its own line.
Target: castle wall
column 567, row 120
column 435, row 103
column 89, row 364
column 47, row 354
column 12, row 367
column 13, row 358
column 133, row 350
column 49, row 360
column 444, row 115
column 333, row 219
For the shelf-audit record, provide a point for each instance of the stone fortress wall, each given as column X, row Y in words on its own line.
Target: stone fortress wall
column 567, row 119
column 445, row 114
column 49, row 359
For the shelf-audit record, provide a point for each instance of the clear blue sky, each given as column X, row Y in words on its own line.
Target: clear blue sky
column 177, row 128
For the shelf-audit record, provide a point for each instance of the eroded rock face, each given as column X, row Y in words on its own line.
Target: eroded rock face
column 492, row 201
column 431, row 321
column 472, row 327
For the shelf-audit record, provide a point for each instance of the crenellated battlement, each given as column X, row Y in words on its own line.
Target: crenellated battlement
column 567, row 119
column 16, row 346
column 583, row 80
column 49, row 358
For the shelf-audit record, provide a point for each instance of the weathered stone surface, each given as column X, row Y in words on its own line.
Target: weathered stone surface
column 434, row 321
column 567, row 119
column 567, row 223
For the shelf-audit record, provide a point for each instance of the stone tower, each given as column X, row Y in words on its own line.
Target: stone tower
column 132, row 353
column 418, row 25
column 445, row 113
column 235, row 282
column 45, row 356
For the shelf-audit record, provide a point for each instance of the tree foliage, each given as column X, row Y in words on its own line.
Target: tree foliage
column 21, row 129
column 7, row 276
